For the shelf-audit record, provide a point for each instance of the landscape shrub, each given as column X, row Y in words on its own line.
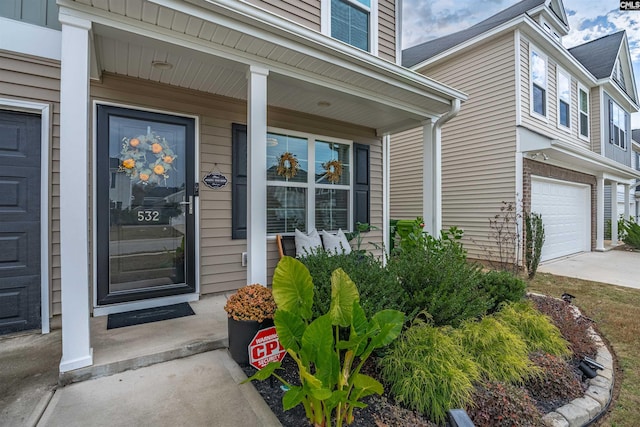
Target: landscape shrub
column 533, row 241
column 557, row 383
column 502, row 286
column 574, row 330
column 537, row 330
column 503, row 405
column 426, row 370
column 436, row 277
column 501, row 354
column 379, row 288
column 630, row 232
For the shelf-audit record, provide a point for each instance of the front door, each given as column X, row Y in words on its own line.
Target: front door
column 20, row 286
column 145, row 205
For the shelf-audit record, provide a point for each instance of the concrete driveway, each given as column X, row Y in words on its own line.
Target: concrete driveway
column 616, row 267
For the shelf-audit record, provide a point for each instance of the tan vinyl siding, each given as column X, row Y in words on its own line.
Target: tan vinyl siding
column 387, row 30
column 478, row 145
column 37, row 80
column 549, row 126
column 406, row 174
column 220, row 256
column 304, row 12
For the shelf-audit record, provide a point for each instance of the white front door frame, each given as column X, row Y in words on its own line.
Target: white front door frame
column 44, row 110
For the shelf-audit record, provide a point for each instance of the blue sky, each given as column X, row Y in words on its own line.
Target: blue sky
column 588, row 19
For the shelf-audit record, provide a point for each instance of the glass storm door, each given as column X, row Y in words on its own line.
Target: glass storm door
column 145, row 205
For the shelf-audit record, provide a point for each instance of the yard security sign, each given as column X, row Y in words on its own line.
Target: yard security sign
column 265, row 348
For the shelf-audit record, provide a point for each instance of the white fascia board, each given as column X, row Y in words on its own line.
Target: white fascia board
column 248, row 19
column 531, row 29
column 385, row 71
column 611, row 87
column 29, row 39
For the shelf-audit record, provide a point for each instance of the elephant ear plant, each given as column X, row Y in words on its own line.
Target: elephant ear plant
column 329, row 366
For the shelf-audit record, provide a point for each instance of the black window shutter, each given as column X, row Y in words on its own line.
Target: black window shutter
column 611, row 129
column 239, row 181
column 361, row 184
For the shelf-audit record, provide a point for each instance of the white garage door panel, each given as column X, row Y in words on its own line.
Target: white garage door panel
column 566, row 212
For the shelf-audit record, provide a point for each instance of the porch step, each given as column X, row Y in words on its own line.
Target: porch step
column 96, row 371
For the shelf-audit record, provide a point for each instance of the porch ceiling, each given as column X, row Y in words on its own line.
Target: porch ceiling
column 211, row 49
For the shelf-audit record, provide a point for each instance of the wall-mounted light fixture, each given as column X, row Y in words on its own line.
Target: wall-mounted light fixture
column 544, row 155
column 161, row 65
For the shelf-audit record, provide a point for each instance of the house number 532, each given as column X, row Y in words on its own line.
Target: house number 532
column 148, row 216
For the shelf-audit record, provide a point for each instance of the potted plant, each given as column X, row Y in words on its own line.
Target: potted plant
column 250, row 309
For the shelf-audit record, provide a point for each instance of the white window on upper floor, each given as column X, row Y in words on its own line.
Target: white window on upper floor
column 564, row 99
column 550, row 30
column 583, row 108
column 352, row 21
column 538, row 71
column 617, row 125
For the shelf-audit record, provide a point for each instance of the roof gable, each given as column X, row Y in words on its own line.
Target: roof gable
column 557, row 7
column 599, row 56
column 419, row 53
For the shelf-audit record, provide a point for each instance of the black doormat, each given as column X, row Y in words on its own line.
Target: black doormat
column 148, row 315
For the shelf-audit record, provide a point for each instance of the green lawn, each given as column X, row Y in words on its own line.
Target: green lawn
column 616, row 310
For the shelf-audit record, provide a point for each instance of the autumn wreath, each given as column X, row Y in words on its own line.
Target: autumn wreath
column 287, row 165
column 333, row 170
column 146, row 158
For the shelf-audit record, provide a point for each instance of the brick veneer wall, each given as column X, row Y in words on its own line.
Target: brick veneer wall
column 532, row 167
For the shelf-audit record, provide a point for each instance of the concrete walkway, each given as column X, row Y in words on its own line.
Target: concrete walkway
column 200, row 390
column 616, row 267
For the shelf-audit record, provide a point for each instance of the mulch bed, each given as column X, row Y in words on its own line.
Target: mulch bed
column 381, row 411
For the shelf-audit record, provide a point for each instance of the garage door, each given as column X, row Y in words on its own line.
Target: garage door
column 566, row 213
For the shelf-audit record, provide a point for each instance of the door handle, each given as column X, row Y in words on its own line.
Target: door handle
column 190, row 203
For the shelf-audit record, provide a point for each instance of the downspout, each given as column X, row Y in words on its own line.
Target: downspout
column 436, row 170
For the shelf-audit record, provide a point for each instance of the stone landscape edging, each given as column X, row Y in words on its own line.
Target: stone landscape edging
column 581, row 411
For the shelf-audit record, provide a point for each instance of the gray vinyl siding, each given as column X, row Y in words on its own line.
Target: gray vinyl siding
column 549, row 126
column 612, row 151
column 39, row 12
column 304, row 12
column 220, row 255
column 478, row 145
column 595, row 115
column 29, row 79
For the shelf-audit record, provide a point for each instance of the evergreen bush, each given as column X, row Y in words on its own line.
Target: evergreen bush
column 502, row 286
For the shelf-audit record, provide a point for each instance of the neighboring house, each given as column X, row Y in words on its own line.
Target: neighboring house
column 114, row 114
column 635, row 163
column 544, row 126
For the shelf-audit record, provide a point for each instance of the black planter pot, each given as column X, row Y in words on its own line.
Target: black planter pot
column 240, row 333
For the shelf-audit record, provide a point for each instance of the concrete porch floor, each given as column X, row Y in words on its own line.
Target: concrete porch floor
column 29, row 362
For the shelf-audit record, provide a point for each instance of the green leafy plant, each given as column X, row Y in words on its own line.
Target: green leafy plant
column 500, row 353
column 503, row 405
column 533, row 241
column 502, row 286
column 428, row 371
column 436, row 277
column 630, row 232
column 329, row 367
column 537, row 330
column 379, row 288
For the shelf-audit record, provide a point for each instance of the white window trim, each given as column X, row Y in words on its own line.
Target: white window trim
column 325, row 22
column 311, row 196
column 581, row 87
column 533, row 113
column 559, row 72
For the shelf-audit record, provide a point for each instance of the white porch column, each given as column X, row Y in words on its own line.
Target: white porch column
column 627, row 202
column 600, row 213
column 257, row 175
column 614, row 213
column 386, row 172
column 431, row 179
column 74, row 188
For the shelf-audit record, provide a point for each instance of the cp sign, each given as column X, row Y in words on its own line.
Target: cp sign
column 265, row 348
